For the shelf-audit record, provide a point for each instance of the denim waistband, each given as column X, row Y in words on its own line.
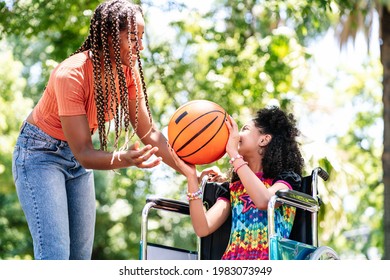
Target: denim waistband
column 31, row 130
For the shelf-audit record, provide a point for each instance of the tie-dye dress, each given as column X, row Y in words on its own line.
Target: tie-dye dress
column 248, row 236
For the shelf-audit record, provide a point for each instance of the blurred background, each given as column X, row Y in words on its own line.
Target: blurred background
column 321, row 60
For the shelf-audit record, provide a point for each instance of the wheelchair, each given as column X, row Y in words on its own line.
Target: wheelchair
column 302, row 243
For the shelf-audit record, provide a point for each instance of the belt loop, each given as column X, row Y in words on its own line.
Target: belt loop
column 62, row 144
column 24, row 123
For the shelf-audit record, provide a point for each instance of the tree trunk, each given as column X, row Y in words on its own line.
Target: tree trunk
column 385, row 59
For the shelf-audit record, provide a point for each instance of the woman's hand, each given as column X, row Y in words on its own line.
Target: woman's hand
column 139, row 156
column 234, row 138
column 76, row 130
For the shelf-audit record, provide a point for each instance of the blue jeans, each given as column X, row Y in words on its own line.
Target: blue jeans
column 57, row 195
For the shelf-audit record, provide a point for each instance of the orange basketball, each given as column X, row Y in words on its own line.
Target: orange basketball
column 198, row 133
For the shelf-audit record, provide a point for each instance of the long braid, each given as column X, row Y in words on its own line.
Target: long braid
column 123, row 92
column 132, row 26
column 125, row 116
column 109, row 80
column 109, row 19
column 85, row 46
column 97, row 74
column 141, row 71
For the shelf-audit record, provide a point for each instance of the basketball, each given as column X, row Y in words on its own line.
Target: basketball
column 197, row 132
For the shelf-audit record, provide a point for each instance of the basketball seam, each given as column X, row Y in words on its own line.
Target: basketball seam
column 208, row 140
column 177, row 136
column 197, row 134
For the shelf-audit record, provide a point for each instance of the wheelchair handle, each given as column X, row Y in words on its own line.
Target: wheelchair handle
column 322, row 173
column 158, row 203
column 168, row 204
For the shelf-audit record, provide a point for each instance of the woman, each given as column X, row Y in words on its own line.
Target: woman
column 99, row 84
column 265, row 158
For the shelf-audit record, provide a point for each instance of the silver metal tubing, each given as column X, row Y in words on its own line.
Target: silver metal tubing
column 199, row 240
column 271, row 217
column 312, row 209
column 203, row 182
column 144, row 229
column 314, row 216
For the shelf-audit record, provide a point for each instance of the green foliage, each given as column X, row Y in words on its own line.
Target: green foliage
column 361, row 191
column 14, row 241
column 229, row 63
column 42, row 32
column 241, row 56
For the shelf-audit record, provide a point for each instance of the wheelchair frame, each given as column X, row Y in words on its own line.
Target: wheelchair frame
column 155, row 251
column 279, row 248
column 282, row 248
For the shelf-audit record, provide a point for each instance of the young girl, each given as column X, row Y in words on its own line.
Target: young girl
column 265, row 158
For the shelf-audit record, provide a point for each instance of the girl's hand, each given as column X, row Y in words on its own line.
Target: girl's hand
column 139, row 156
column 234, row 137
column 188, row 169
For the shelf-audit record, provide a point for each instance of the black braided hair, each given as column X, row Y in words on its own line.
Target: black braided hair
column 109, row 19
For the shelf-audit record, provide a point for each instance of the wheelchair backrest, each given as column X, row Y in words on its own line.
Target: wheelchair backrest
column 213, row 246
column 302, row 227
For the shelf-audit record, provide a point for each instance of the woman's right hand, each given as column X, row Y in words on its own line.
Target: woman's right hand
column 139, row 157
column 76, row 130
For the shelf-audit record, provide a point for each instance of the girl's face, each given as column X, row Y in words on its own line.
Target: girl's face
column 251, row 139
column 124, row 45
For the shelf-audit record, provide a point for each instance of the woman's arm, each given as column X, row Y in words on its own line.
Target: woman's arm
column 77, row 133
column 148, row 133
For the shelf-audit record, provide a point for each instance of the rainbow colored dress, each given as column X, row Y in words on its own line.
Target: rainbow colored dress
column 248, row 236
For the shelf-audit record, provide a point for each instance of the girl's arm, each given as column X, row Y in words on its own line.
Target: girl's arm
column 256, row 189
column 204, row 223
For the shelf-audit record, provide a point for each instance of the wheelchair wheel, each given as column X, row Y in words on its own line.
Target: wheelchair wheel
column 324, row 253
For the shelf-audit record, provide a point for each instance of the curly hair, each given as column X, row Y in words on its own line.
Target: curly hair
column 109, row 19
column 282, row 153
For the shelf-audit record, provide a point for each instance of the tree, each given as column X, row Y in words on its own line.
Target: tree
column 13, row 109
column 385, row 58
column 358, row 16
column 233, row 47
column 242, row 55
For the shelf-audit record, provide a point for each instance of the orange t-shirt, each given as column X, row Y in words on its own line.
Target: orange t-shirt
column 70, row 92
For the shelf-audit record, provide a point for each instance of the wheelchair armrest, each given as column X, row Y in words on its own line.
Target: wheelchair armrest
column 298, row 198
column 169, row 204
